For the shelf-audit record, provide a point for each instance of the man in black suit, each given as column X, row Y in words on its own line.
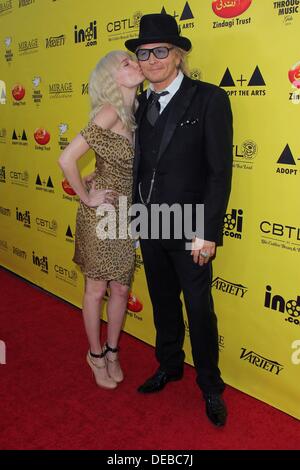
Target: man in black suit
column 183, row 156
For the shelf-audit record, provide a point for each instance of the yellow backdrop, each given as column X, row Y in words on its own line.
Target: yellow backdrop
column 250, row 48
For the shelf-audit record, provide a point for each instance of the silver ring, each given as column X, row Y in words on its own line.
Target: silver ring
column 204, row 254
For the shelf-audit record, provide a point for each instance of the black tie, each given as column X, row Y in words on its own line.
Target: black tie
column 154, row 106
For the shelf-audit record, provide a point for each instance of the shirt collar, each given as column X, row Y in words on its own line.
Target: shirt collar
column 172, row 88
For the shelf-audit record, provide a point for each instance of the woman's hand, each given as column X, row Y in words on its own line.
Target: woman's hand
column 88, row 178
column 101, row 196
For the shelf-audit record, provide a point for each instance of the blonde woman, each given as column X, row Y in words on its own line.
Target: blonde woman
column 105, row 263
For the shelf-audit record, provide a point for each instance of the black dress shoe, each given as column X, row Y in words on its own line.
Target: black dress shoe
column 215, row 409
column 158, row 381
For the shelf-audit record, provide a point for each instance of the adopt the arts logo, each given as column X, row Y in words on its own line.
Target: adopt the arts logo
column 230, row 12
column 264, row 363
column 233, row 224
column 280, row 234
column 19, row 137
column 294, row 78
column 44, row 184
column 125, row 27
column 42, row 138
column 287, row 162
column 289, row 309
column 18, row 93
column 185, row 17
column 287, row 10
column 248, row 83
column 37, row 94
column 8, row 49
column 244, row 155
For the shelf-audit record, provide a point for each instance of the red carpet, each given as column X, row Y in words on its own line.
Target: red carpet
column 49, row 399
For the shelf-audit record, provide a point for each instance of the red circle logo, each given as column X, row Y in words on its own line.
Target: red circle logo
column 230, row 8
column 133, row 304
column 18, row 92
column 67, row 188
column 41, row 136
column 294, row 75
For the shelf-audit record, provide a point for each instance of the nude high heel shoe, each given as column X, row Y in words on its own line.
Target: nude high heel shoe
column 98, row 365
column 113, row 365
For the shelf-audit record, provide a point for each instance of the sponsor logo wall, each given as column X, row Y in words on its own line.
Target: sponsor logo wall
column 44, row 103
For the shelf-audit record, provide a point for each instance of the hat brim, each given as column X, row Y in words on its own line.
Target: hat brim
column 182, row 42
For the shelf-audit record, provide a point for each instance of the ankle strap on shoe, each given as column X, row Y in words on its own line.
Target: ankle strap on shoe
column 109, row 349
column 98, row 356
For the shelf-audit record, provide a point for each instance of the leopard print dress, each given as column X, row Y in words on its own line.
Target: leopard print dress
column 111, row 258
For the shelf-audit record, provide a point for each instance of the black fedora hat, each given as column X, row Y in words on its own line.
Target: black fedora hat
column 158, row 27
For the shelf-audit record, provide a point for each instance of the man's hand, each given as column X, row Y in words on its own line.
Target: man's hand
column 202, row 251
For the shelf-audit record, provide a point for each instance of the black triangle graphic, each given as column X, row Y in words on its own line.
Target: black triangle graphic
column 257, row 78
column 163, row 11
column 227, row 79
column 24, row 136
column 69, row 232
column 187, row 13
column 14, row 136
column 286, row 157
column 38, row 180
column 49, row 183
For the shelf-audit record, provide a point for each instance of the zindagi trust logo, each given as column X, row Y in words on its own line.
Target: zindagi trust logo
column 230, row 11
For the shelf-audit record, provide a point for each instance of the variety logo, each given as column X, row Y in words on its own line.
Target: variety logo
column 279, row 235
column 23, row 217
column 86, row 36
column 55, row 41
column 60, row 90
column 37, row 94
column 8, row 53
column 186, row 18
column 294, row 78
column 41, row 262
column 2, row 174
column 295, row 358
column 2, row 92
column 279, row 304
column 18, row 252
column 3, row 245
column 43, row 185
column 230, row 10
column 66, row 275
column 124, row 28
column 233, row 224
column 256, row 80
column 18, row 93
column 19, row 138
column 244, row 154
column 286, row 162
column 41, row 136
column 5, row 211
column 261, row 362
column 25, row 3
column 286, row 9
column 28, row 47
column 21, row 178
column 46, row 226
column 238, row 290
column 5, row 7
column 63, row 140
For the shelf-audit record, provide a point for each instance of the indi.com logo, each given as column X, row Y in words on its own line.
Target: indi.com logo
column 2, row 352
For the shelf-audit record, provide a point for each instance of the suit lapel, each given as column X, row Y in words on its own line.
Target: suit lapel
column 182, row 100
column 138, row 117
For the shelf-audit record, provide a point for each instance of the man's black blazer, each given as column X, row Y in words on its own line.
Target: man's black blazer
column 195, row 155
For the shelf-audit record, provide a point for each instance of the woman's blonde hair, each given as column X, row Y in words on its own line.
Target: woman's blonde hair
column 103, row 89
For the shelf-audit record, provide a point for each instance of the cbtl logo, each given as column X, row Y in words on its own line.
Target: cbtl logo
column 41, row 136
column 18, row 92
column 68, row 188
column 230, row 8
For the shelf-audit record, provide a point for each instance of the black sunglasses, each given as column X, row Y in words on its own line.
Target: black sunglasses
column 159, row 52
